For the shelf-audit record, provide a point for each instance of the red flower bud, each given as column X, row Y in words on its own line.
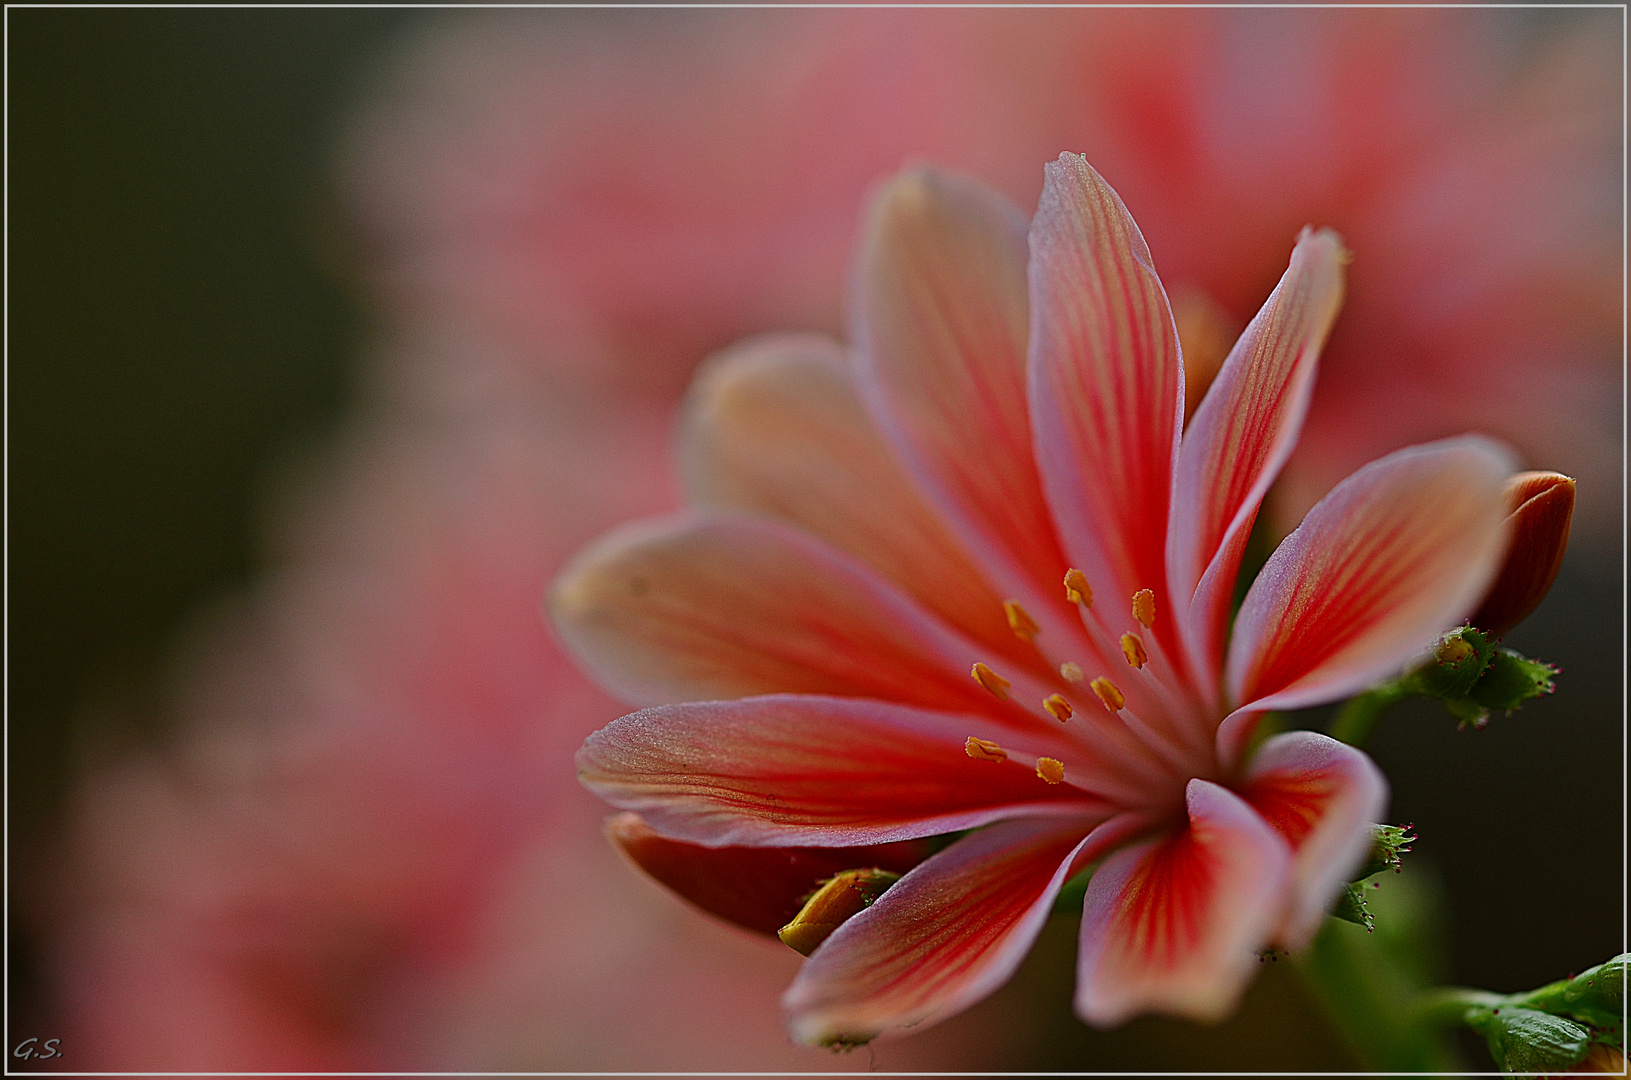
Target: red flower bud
column 1541, row 505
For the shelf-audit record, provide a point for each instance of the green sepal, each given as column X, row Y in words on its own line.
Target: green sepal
column 1351, row 907
column 1527, row 1040
column 1512, row 680
column 1461, row 658
column 1388, row 843
column 1597, row 996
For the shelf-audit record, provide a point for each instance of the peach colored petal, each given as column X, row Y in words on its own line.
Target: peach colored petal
column 1170, row 924
column 1106, row 386
column 1542, row 506
column 697, row 607
column 1323, row 797
column 946, row 934
column 940, row 328
column 775, row 426
column 759, row 888
column 1393, row 556
column 1241, row 435
column 788, row 770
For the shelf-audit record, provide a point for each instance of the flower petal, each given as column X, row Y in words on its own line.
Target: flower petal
column 1240, row 437
column 1106, row 385
column 759, row 888
column 1394, row 555
column 701, row 607
column 775, row 426
column 940, row 327
column 945, row 935
column 1171, row 924
column 1542, row 506
column 1323, row 797
column 788, row 770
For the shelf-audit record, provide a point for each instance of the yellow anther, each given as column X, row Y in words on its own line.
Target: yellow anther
column 1077, row 590
column 1144, row 607
column 1050, row 770
column 1072, row 671
column 980, row 750
column 1020, row 621
column 1113, row 698
column 991, row 681
column 1453, row 650
column 829, row 907
column 1132, row 647
column 1060, row 709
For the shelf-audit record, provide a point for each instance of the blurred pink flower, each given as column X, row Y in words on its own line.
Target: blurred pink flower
column 1038, row 410
column 642, row 189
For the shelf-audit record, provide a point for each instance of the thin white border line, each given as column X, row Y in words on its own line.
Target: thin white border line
column 5, row 460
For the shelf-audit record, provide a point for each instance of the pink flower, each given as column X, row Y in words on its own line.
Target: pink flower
column 845, row 564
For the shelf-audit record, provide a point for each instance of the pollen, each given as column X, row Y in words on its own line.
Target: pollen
column 1108, row 693
column 981, row 750
column 991, row 681
column 1132, row 647
column 1144, row 607
column 1020, row 621
column 1050, row 769
column 1058, row 708
column 1071, row 671
column 1077, row 590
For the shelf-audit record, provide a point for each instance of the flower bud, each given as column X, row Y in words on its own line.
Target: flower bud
column 1598, row 995
column 1527, row 1040
column 1542, row 504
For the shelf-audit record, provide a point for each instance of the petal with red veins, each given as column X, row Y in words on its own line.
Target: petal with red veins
column 1390, row 558
column 1323, row 797
column 1172, row 924
column 701, row 607
column 940, row 321
column 1106, row 385
column 759, row 888
column 1241, row 435
column 945, row 935
column 776, row 426
column 789, row 770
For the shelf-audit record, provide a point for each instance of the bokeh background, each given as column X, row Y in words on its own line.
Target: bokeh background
column 332, row 333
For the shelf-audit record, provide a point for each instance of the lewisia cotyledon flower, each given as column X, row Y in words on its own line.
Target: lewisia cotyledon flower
column 869, row 529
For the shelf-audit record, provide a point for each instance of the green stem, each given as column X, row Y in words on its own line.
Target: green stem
column 1357, row 719
column 1447, row 1006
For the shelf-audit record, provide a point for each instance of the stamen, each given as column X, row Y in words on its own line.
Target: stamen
column 1051, row 770
column 1144, row 607
column 1072, row 671
column 991, row 681
column 981, row 750
column 1058, row 708
column 1020, row 621
column 1132, row 647
column 1077, row 590
column 1113, row 698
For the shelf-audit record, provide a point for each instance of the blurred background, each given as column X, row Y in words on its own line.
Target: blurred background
column 334, row 332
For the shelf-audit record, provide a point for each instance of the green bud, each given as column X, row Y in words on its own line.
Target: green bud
column 1512, row 680
column 1461, row 658
column 1597, row 996
column 1351, row 907
column 1388, row 843
column 1527, row 1040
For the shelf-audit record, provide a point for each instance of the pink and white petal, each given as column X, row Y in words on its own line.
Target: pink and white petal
column 1105, row 384
column 1390, row 558
column 940, row 322
column 758, row 888
column 700, row 607
column 788, row 770
column 1173, row 924
column 776, row 426
column 1323, row 796
column 1239, row 438
column 947, row 934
